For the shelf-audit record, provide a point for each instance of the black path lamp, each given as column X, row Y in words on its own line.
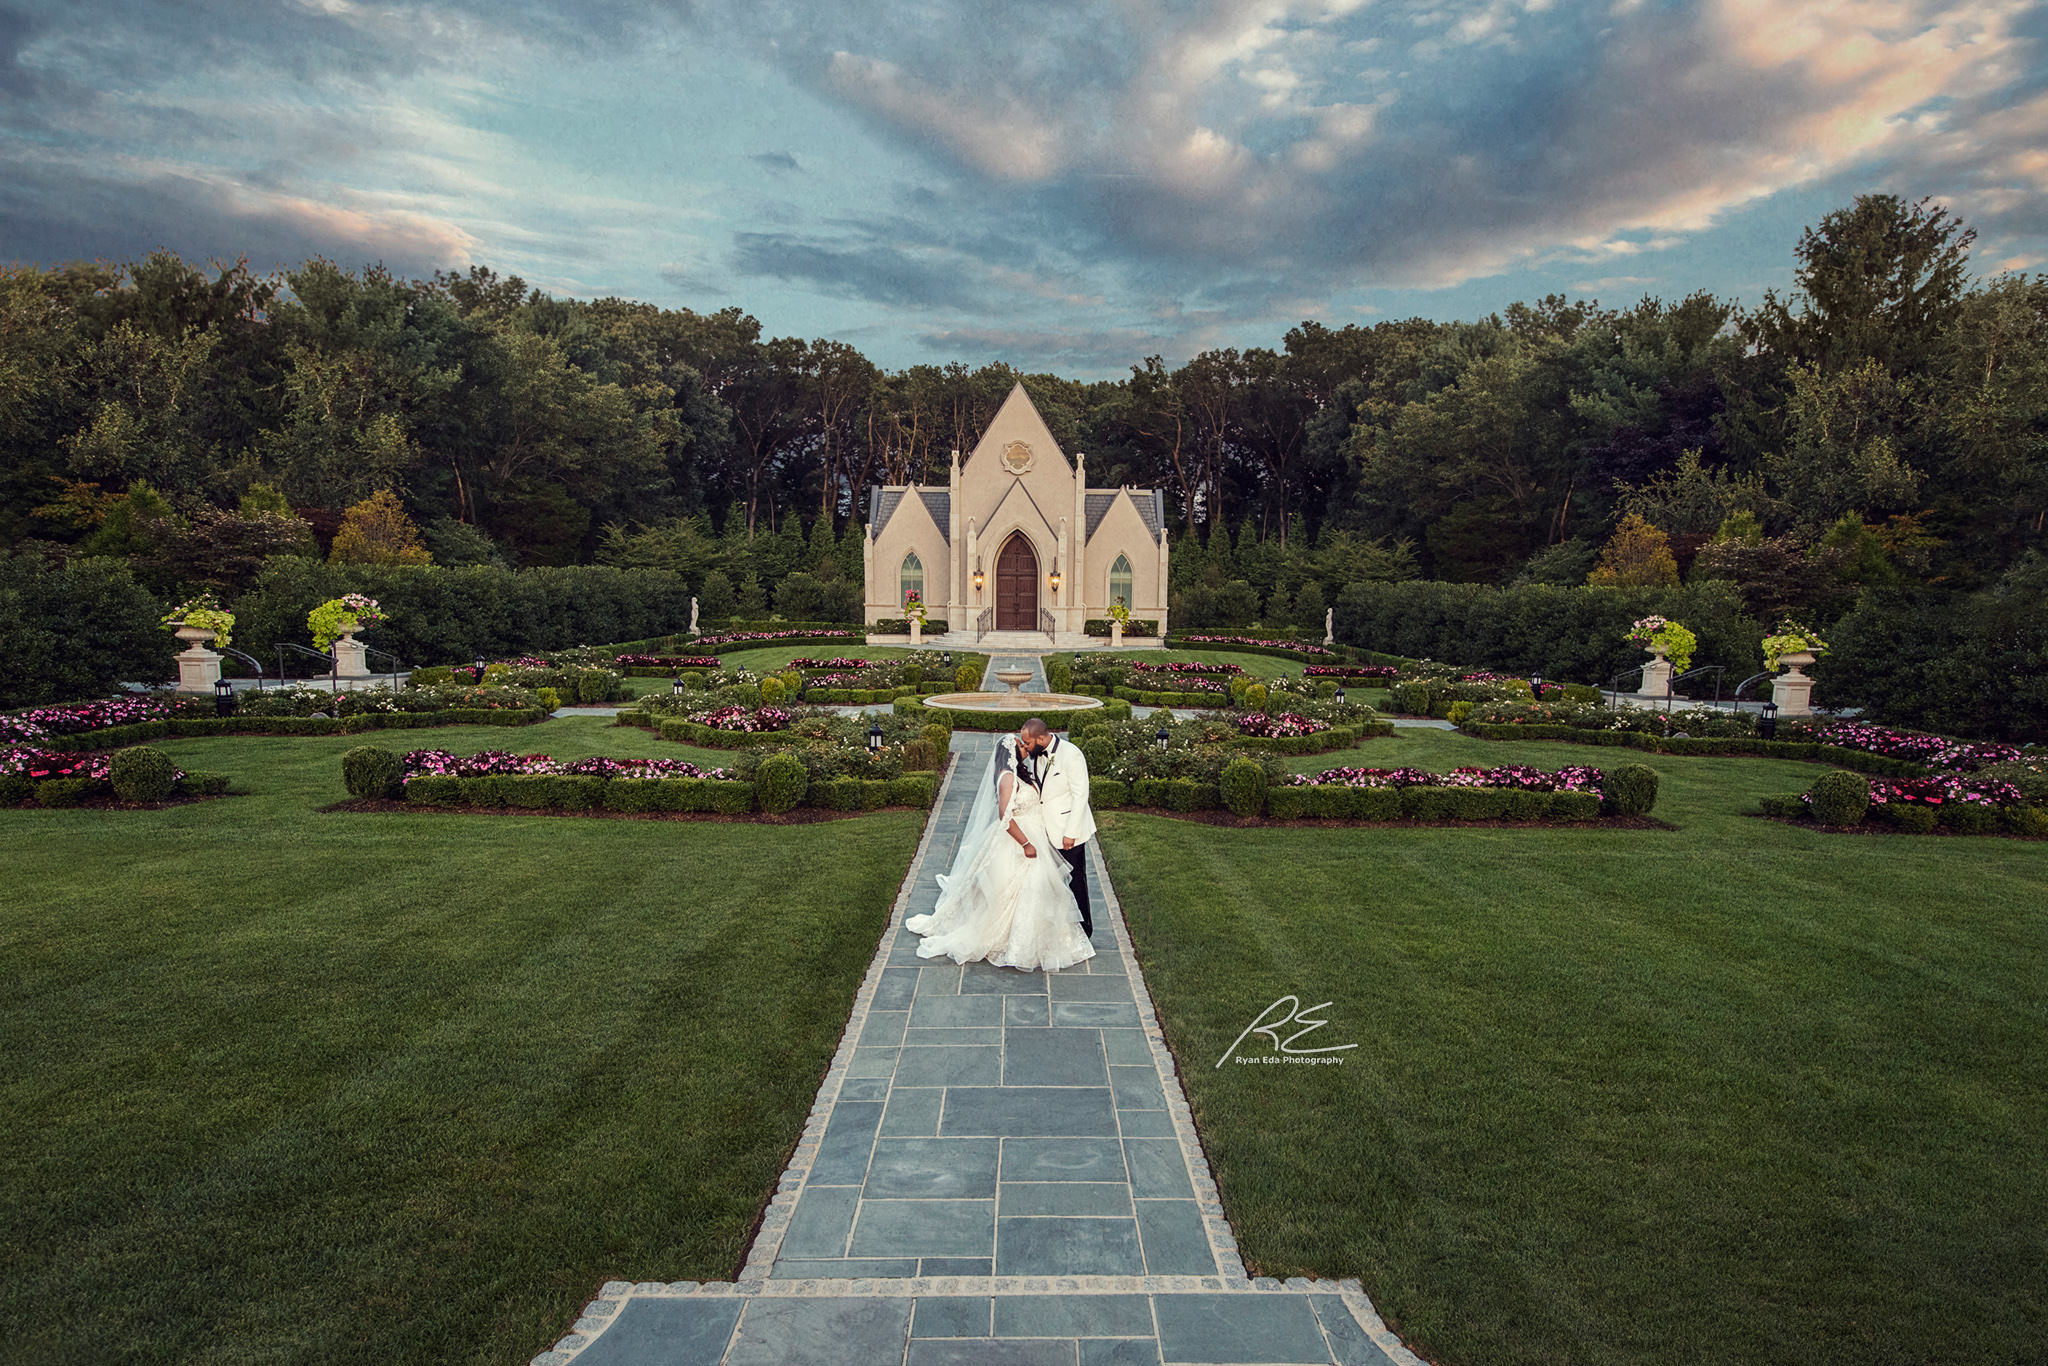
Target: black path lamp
column 677, row 686
column 1160, row 738
column 223, row 696
column 1340, row 694
column 947, row 659
column 479, row 668
column 1767, row 724
column 1077, row 659
column 875, row 737
column 1536, row 686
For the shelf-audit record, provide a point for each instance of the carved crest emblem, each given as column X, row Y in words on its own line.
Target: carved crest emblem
column 1017, row 457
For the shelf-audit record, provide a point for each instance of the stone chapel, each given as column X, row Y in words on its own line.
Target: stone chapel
column 1015, row 541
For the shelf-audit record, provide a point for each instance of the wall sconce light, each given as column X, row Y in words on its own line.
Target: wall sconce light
column 1055, row 580
column 977, row 576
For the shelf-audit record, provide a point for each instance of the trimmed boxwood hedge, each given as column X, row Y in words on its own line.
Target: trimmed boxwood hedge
column 581, row 792
column 1144, row 697
column 1113, row 709
column 1958, row 818
column 1134, row 629
column 1707, row 745
column 708, row 737
column 1336, row 652
column 1322, row 742
column 119, row 737
column 1337, row 802
column 16, row 788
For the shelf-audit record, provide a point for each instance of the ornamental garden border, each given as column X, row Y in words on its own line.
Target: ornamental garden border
column 1840, row 802
column 189, row 727
column 1112, row 709
column 1733, row 746
column 21, row 792
column 515, row 793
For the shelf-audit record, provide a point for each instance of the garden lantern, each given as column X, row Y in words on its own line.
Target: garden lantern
column 223, row 696
column 947, row 658
column 677, row 686
column 1536, row 686
column 1160, row 738
column 479, row 668
column 1340, row 694
column 875, row 738
column 1077, row 659
column 1767, row 726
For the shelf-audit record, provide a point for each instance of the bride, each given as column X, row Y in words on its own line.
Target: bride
column 1007, row 899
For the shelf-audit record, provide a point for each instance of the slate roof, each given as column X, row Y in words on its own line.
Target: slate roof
column 1098, row 508
column 1151, row 510
column 884, row 501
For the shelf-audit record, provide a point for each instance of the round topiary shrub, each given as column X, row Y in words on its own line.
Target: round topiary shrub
column 920, row 756
column 372, row 772
column 771, row 692
column 1630, row 790
column 967, row 678
column 937, row 736
column 1244, row 787
column 143, row 774
column 781, row 783
column 1255, row 697
column 913, row 673
column 1099, row 753
column 1840, row 798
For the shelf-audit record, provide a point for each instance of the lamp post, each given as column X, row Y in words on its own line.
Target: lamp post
column 223, row 696
column 1160, row 738
column 1767, row 725
column 1536, row 687
column 1340, row 695
column 875, row 738
column 677, row 686
column 947, row 659
column 479, row 668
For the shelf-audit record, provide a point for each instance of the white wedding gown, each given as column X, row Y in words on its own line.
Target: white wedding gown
column 1005, row 908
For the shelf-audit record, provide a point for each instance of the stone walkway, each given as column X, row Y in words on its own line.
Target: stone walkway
column 1000, row 1167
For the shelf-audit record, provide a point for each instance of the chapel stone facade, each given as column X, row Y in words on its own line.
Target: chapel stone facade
column 1016, row 541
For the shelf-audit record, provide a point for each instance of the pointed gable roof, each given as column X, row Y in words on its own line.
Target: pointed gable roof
column 1017, row 420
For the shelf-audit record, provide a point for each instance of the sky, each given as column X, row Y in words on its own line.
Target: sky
column 1064, row 185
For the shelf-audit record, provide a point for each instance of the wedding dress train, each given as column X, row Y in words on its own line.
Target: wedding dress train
column 1005, row 908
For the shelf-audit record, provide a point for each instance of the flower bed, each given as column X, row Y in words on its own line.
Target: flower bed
column 1947, row 802
column 440, row 763
column 749, row 640
column 1184, row 666
column 1383, row 673
column 38, row 724
column 63, row 778
column 759, row 720
column 1933, row 751
column 1511, row 793
column 1287, row 649
column 665, row 663
column 1136, row 627
column 1520, row 777
column 1283, row 725
column 837, row 664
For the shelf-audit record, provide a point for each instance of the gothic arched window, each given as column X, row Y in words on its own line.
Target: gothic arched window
column 912, row 578
column 1120, row 581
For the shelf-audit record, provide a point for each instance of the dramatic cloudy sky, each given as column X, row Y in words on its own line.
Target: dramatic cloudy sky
column 1068, row 184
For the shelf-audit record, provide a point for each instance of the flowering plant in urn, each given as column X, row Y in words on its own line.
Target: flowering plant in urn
column 1664, row 637
column 1790, row 639
column 345, row 615
column 203, row 613
column 913, row 607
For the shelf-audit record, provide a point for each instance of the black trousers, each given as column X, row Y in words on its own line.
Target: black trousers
column 1077, row 878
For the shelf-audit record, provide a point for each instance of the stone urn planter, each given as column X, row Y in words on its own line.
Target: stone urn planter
column 198, row 667
column 351, row 657
column 1793, row 689
column 1656, row 675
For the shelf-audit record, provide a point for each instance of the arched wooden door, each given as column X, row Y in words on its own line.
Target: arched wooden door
column 1017, row 585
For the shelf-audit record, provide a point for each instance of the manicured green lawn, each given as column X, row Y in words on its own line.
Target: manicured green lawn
column 1737, row 1092
column 293, row 1086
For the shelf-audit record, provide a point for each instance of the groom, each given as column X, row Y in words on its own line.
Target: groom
column 1062, row 774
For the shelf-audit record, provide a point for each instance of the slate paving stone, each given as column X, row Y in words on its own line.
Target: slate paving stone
column 843, row 1155
column 1353, row 1347
column 953, row 1012
column 665, row 1332
column 821, row 1332
column 1119, row 1352
column 913, row 1112
column 1079, row 1316
column 864, row 1088
column 823, row 1218
column 843, row 1269
column 1063, row 1159
column 1094, row 1013
column 884, row 1027
column 1176, row 1242
column 1145, row 1123
column 958, row 1266
column 1157, row 1168
column 929, row 1037
column 938, row 981
column 951, row 1316
column 1090, row 988
column 872, row 1062
column 964, row 1352
column 980, row 978
column 1025, row 1010
column 1126, row 1046
column 954, row 1065
column 1063, row 1197
column 1068, row 1247
column 895, row 990
column 917, row 1228
column 931, row 1167
column 1021, row 1111
column 1053, row 1057
column 1218, row 1328
column 1137, row 1088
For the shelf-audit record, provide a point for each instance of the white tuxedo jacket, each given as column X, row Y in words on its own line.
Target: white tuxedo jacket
column 1063, row 793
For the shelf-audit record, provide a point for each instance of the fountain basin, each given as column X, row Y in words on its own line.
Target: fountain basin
column 1010, row 701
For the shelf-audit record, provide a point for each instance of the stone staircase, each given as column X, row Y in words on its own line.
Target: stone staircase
column 1019, row 642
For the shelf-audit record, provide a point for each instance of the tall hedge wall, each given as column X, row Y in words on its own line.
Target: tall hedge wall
column 76, row 630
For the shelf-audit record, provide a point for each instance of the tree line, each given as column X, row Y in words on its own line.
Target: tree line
column 1885, row 426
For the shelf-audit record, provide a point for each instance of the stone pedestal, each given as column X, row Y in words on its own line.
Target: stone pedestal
column 916, row 633
column 198, row 667
column 1656, row 676
column 1116, row 635
column 351, row 659
column 1793, row 690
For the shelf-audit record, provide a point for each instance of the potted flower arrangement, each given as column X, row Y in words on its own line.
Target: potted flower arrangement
column 1670, row 645
column 1119, row 616
column 339, row 618
column 1792, row 645
column 199, row 622
column 913, row 608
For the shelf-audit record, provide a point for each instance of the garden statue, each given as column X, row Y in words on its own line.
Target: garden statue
column 693, row 616
column 1329, row 626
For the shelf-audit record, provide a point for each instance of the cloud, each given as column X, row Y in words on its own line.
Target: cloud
column 1106, row 351
column 875, row 272
column 776, row 161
